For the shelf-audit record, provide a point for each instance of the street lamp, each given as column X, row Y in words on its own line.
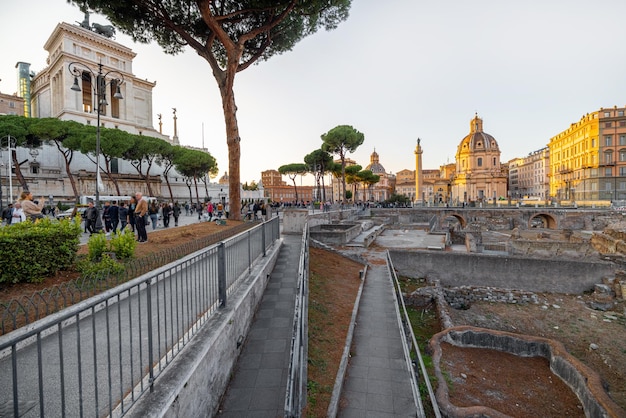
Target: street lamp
column 11, row 141
column 78, row 69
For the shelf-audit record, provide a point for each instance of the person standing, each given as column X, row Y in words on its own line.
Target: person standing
column 131, row 212
column 31, row 209
column 140, row 217
column 17, row 214
column 176, row 212
column 114, row 214
column 122, row 216
column 153, row 211
column 7, row 214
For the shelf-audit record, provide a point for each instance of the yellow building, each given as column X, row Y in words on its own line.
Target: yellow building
column 479, row 177
column 588, row 160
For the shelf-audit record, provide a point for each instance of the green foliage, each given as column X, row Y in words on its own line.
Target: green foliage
column 29, row 252
column 123, row 244
column 104, row 267
column 97, row 245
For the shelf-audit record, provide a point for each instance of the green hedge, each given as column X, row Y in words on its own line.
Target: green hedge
column 30, row 252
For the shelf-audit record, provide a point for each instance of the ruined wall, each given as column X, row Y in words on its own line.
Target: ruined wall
column 509, row 272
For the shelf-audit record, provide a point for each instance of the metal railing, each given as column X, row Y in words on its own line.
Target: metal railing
column 99, row 356
column 295, row 397
column 420, row 374
column 19, row 312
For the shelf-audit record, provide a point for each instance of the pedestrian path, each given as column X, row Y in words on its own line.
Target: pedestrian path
column 258, row 385
column 377, row 382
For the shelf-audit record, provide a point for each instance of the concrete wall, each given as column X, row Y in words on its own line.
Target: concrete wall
column 193, row 384
column 529, row 274
column 294, row 219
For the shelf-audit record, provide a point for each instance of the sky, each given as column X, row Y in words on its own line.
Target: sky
column 396, row 71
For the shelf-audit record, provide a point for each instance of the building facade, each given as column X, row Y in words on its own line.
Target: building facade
column 478, row 177
column 529, row 176
column 588, row 159
column 50, row 94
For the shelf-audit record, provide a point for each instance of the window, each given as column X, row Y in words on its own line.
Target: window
column 480, row 162
column 608, row 172
column 494, row 161
column 12, row 105
column 622, row 155
column 622, row 171
column 622, row 139
column 608, row 139
column 593, row 142
column 620, row 113
column 34, row 169
column 607, row 114
column 608, row 124
column 608, row 158
column 622, row 123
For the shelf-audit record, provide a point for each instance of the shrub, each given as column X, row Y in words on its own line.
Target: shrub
column 97, row 245
column 104, row 267
column 29, row 251
column 123, row 244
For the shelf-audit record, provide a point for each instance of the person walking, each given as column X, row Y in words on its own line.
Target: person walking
column 106, row 216
column 91, row 215
column 140, row 217
column 166, row 210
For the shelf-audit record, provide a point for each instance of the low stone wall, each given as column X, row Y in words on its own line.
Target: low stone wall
column 192, row 385
column 294, row 219
column 551, row 248
column 508, row 272
column 335, row 234
column 583, row 381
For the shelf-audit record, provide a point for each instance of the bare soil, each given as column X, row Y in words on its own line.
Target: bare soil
column 333, row 286
column 563, row 318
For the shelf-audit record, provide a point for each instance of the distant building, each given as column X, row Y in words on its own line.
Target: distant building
column 588, row 159
column 385, row 187
column 478, row 176
column 528, row 176
column 11, row 105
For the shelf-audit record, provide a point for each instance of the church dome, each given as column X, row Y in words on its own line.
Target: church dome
column 478, row 140
column 375, row 166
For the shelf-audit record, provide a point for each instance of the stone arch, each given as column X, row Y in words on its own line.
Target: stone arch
column 542, row 220
column 455, row 215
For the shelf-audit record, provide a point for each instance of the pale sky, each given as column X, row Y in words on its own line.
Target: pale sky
column 395, row 70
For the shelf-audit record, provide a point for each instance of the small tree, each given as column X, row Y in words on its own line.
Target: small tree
column 292, row 171
column 340, row 140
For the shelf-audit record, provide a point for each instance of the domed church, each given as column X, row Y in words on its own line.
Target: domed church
column 479, row 176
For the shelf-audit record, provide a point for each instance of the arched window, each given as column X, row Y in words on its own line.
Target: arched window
column 479, row 161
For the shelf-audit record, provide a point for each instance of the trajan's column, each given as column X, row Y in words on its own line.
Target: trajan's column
column 418, row 172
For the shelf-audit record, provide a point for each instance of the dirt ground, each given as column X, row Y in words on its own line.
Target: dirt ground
column 333, row 286
column 596, row 338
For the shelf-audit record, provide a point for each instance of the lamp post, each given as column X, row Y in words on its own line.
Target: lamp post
column 10, row 140
column 78, row 70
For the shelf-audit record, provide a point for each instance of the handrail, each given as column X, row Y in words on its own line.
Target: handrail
column 99, row 356
column 295, row 397
column 409, row 329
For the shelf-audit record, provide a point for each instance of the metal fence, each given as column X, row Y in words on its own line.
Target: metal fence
column 419, row 374
column 99, row 356
column 295, row 397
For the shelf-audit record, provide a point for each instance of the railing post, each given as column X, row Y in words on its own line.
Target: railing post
column 263, row 238
column 149, row 319
column 221, row 273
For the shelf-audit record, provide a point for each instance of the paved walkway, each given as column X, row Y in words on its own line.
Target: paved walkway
column 258, row 385
column 377, row 382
